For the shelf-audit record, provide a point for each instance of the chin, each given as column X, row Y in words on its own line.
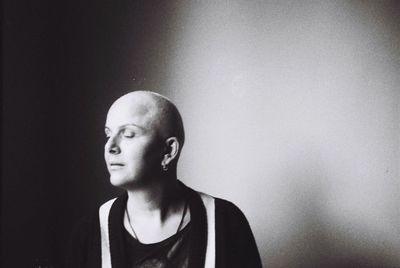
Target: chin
column 123, row 182
column 119, row 181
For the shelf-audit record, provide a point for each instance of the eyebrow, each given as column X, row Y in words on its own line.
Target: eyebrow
column 128, row 125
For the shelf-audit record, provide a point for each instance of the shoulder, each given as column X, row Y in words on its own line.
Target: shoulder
column 226, row 205
column 224, row 209
column 86, row 230
column 227, row 214
column 104, row 210
column 230, row 219
column 236, row 246
column 229, row 210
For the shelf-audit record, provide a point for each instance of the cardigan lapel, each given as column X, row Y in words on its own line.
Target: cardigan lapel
column 198, row 233
column 116, row 228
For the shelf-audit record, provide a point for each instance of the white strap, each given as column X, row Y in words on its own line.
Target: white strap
column 209, row 203
column 104, row 211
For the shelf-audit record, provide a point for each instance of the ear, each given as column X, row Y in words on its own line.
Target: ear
column 171, row 150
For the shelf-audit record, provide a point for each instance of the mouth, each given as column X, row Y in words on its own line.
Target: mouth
column 114, row 166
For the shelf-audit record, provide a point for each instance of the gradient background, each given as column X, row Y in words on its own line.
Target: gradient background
column 291, row 111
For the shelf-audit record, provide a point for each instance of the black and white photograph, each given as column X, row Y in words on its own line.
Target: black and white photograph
column 200, row 134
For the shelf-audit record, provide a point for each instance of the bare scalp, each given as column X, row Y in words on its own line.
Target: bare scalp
column 159, row 111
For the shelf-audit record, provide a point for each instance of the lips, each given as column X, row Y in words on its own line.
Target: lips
column 115, row 165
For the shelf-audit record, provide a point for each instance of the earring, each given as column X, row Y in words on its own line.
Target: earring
column 164, row 166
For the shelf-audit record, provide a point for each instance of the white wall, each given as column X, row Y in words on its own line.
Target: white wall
column 291, row 111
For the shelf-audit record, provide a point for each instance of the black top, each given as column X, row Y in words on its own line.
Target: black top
column 235, row 243
column 171, row 252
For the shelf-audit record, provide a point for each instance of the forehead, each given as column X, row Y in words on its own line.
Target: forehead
column 140, row 111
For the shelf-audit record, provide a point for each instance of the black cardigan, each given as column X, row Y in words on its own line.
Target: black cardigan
column 235, row 244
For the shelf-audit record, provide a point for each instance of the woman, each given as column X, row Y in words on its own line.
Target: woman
column 158, row 221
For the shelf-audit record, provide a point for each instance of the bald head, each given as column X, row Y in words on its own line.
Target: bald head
column 145, row 136
column 153, row 111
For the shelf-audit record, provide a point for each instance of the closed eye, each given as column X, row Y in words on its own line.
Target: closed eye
column 127, row 133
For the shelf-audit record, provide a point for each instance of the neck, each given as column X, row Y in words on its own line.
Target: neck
column 155, row 201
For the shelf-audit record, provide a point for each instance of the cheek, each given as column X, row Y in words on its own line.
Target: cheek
column 144, row 153
column 152, row 157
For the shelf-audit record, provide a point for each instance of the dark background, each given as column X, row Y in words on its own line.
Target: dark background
column 64, row 62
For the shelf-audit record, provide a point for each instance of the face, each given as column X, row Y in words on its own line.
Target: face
column 133, row 151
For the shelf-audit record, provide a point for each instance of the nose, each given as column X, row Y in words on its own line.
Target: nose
column 112, row 146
